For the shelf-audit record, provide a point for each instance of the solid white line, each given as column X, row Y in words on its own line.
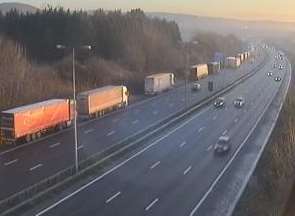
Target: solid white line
column 36, row 167
column 113, row 197
column 155, row 165
column 182, row 144
column 224, row 132
column 11, row 162
column 135, row 122
column 54, row 145
column 151, row 204
column 121, row 164
column 187, row 170
column 201, row 129
column 111, row 133
column 89, row 131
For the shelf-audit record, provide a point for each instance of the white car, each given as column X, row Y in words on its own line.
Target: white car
column 239, row 102
column 220, row 102
column 222, row 146
column 196, row 86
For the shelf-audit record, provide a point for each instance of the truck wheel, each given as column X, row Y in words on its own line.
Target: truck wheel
column 39, row 134
column 34, row 136
column 28, row 138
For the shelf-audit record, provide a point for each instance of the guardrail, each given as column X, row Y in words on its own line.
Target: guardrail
column 24, row 198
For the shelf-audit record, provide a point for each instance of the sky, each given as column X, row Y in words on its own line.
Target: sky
column 282, row 10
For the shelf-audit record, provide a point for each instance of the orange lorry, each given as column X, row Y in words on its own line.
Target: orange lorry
column 30, row 122
column 97, row 102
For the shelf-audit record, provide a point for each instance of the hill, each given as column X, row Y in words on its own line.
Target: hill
column 23, row 8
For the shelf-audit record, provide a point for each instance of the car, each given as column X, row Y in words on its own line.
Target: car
column 239, row 102
column 281, row 67
column 278, row 79
column 274, row 66
column 269, row 74
column 196, row 86
column 222, row 146
column 219, row 102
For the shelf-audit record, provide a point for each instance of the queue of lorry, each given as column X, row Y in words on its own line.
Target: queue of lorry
column 31, row 122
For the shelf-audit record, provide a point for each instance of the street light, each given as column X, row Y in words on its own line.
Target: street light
column 85, row 47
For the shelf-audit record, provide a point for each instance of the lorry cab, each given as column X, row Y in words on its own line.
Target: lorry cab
column 125, row 95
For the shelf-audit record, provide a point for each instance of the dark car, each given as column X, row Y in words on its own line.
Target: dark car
column 269, row 74
column 239, row 102
column 196, row 86
column 222, row 146
column 278, row 79
column 220, row 102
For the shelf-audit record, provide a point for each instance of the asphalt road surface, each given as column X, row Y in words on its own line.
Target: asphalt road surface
column 38, row 160
column 173, row 173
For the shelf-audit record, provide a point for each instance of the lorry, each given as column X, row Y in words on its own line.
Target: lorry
column 157, row 83
column 232, row 62
column 199, row 71
column 213, row 67
column 241, row 56
column 28, row 123
column 97, row 102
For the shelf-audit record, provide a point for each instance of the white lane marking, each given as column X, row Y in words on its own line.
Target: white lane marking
column 151, row 204
column 155, row 165
column 111, row 133
column 182, row 144
column 115, row 120
column 236, row 120
column 89, row 131
column 155, row 112
column 11, row 162
column 224, row 132
column 120, row 164
column 54, row 145
column 135, row 122
column 113, row 197
column 201, row 129
column 187, row 170
column 36, row 167
column 210, row 147
column 80, row 147
column 214, row 118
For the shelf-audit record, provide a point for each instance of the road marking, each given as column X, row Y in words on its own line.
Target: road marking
column 224, row 132
column 80, row 147
column 155, row 165
column 214, row 118
column 151, row 204
column 187, row 170
column 89, row 131
column 135, row 122
column 115, row 120
column 201, row 129
column 155, row 112
column 156, row 142
column 111, row 133
column 182, row 144
column 11, row 162
column 113, row 197
column 54, row 145
column 236, row 120
column 36, row 167
column 209, row 148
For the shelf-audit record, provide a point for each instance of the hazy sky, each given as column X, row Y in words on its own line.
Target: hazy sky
column 246, row 9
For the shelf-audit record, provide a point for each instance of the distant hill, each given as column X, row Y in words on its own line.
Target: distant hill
column 190, row 25
column 24, row 8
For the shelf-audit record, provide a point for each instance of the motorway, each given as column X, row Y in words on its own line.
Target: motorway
column 173, row 173
column 38, row 160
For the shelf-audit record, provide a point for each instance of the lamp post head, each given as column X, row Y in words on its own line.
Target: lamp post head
column 59, row 46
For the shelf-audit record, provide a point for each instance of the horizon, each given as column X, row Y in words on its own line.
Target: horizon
column 281, row 14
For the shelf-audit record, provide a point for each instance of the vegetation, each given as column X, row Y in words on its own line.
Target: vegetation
column 126, row 47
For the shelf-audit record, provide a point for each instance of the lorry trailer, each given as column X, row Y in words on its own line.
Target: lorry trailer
column 30, row 122
column 199, row 71
column 157, row 83
column 97, row 102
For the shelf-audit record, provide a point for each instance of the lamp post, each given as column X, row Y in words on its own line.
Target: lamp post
column 86, row 47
